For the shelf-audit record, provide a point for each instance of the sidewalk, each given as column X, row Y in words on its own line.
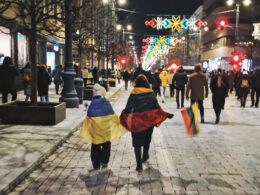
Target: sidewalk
column 24, row 147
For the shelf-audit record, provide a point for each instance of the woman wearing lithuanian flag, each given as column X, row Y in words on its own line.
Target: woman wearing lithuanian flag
column 141, row 114
column 100, row 127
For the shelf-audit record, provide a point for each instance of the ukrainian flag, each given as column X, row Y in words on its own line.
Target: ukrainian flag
column 101, row 124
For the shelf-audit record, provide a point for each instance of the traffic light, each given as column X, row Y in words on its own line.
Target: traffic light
column 236, row 60
column 122, row 60
column 222, row 23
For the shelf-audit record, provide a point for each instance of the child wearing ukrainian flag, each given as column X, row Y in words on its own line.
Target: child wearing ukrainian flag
column 141, row 114
column 100, row 127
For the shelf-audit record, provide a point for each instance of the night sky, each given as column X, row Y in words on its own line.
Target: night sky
column 149, row 7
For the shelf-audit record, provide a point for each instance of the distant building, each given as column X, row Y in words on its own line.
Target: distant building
column 219, row 44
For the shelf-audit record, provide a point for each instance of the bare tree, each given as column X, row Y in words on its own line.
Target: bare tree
column 34, row 18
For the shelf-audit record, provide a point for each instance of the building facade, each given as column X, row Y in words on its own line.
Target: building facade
column 218, row 44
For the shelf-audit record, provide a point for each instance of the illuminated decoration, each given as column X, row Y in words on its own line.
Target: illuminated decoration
column 185, row 23
column 175, row 23
column 162, row 40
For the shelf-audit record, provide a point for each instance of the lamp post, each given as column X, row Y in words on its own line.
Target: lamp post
column 69, row 94
column 238, row 4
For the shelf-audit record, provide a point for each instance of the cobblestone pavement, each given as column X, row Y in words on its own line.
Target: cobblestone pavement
column 222, row 159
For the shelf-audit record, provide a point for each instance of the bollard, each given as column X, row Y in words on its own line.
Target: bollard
column 79, row 88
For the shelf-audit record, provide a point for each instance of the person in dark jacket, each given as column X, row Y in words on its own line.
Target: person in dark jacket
column 219, row 87
column 256, row 85
column 140, row 71
column 44, row 80
column 179, row 81
column 126, row 77
column 145, row 113
column 243, row 88
column 57, row 77
column 8, row 72
column 156, row 83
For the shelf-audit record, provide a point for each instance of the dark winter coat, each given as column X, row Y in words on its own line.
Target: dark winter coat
column 7, row 78
column 179, row 79
column 44, row 80
column 219, row 93
column 256, row 80
column 240, row 90
column 156, row 82
column 126, row 76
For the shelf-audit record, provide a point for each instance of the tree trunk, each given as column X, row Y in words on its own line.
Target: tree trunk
column 32, row 58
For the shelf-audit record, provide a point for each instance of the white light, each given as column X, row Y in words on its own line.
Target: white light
column 77, row 32
column 129, row 27
column 130, row 37
column 118, row 27
column 56, row 48
column 247, row 2
column 230, row 2
column 206, row 29
column 183, row 38
column 121, row 2
column 105, row 2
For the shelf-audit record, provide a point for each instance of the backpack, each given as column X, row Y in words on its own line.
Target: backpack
column 244, row 83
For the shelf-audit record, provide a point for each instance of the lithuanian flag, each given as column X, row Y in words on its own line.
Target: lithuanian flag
column 191, row 119
column 101, row 124
column 142, row 111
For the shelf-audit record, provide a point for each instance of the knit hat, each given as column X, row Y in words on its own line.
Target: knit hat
column 98, row 90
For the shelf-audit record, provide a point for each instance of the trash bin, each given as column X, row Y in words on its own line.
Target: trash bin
column 88, row 92
column 79, row 88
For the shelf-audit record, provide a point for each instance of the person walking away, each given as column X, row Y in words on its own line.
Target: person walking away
column 219, row 87
column 44, row 80
column 57, row 77
column 100, row 127
column 118, row 76
column 84, row 73
column 8, row 72
column 156, row 83
column 95, row 74
column 197, row 89
column 141, row 114
column 164, row 83
column 179, row 81
column 252, row 89
column 171, row 87
column 256, row 83
column 126, row 77
column 231, row 78
column 244, row 84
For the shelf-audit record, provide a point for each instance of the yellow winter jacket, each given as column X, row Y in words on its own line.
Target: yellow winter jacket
column 164, row 78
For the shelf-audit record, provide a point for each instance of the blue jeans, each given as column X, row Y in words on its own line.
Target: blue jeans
column 44, row 98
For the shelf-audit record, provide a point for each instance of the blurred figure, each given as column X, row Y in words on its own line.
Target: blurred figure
column 84, row 73
column 8, row 72
column 171, row 86
column 256, row 86
column 179, row 81
column 57, row 77
column 231, row 78
column 219, row 87
column 164, row 83
column 27, row 81
column 126, row 77
column 44, row 80
column 244, row 86
column 156, row 83
column 197, row 89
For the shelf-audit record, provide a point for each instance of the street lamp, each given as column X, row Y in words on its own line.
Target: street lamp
column 238, row 4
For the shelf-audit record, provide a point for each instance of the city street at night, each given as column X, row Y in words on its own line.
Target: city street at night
column 222, row 159
column 129, row 97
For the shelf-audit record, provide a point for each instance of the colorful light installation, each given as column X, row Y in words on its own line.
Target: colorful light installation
column 162, row 40
column 176, row 23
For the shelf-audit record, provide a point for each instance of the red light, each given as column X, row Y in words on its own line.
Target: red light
column 222, row 23
column 123, row 61
column 235, row 66
column 236, row 58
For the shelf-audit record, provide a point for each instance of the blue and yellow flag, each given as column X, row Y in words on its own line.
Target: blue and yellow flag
column 101, row 124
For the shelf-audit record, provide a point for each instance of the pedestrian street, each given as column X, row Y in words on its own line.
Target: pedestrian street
column 222, row 159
